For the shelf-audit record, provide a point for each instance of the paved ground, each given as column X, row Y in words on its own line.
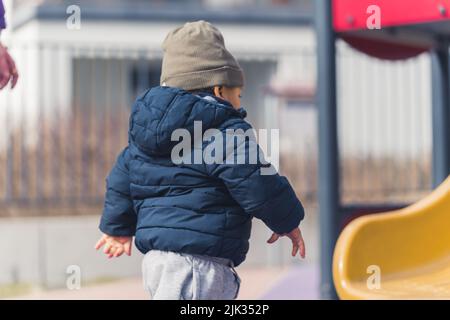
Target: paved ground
column 299, row 282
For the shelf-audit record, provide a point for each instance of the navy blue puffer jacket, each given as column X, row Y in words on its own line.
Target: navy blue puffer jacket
column 192, row 208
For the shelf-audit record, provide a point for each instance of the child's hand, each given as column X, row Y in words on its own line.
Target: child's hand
column 115, row 246
column 297, row 241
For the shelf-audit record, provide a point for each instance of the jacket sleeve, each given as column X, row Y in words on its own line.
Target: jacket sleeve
column 2, row 16
column 118, row 218
column 268, row 197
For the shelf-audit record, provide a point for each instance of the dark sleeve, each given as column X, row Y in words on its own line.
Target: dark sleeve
column 2, row 16
column 268, row 197
column 118, row 218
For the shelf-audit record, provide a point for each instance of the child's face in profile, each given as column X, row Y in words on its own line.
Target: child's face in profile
column 231, row 94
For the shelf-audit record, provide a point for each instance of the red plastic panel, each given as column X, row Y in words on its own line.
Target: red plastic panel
column 353, row 14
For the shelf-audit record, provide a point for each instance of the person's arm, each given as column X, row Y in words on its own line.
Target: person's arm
column 266, row 197
column 118, row 221
column 8, row 71
column 118, row 218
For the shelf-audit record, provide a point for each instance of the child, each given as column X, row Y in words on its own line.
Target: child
column 192, row 220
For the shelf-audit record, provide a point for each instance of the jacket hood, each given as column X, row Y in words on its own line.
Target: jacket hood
column 161, row 110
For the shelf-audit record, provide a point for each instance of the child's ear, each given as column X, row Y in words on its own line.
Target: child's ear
column 218, row 91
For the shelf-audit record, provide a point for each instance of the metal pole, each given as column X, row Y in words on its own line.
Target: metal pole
column 328, row 144
column 441, row 112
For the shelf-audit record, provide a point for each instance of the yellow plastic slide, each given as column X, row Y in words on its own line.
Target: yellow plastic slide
column 402, row 254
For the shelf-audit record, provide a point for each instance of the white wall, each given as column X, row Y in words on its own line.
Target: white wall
column 384, row 106
column 135, row 35
column 39, row 250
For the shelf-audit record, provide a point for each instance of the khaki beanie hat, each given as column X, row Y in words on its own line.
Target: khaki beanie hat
column 195, row 57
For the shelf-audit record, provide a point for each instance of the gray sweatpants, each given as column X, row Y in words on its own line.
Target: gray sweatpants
column 171, row 275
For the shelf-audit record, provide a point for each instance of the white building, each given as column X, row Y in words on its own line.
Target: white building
column 116, row 51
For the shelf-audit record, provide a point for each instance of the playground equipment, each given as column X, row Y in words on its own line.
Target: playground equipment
column 407, row 251
column 410, row 246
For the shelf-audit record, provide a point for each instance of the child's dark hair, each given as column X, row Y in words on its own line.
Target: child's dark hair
column 209, row 90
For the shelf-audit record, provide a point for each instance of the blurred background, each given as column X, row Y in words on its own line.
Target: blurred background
column 66, row 121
